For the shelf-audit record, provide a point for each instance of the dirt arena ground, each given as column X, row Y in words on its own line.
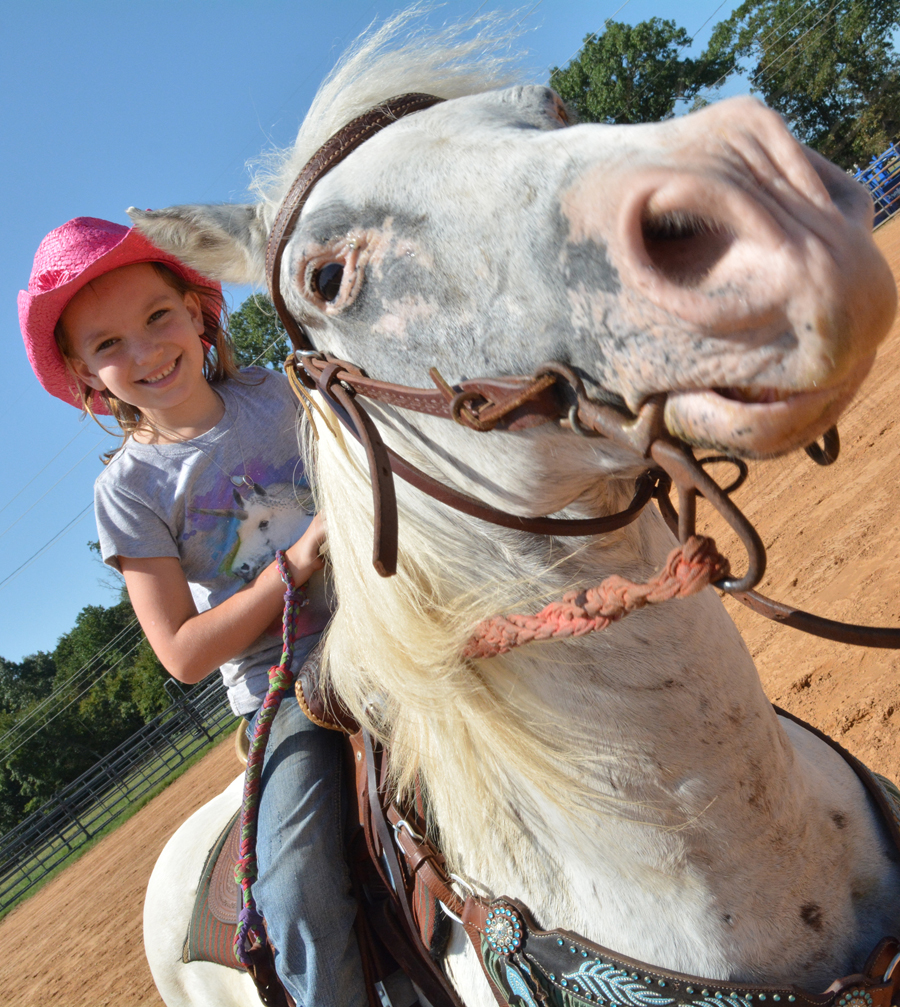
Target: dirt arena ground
column 78, row 942
column 833, row 537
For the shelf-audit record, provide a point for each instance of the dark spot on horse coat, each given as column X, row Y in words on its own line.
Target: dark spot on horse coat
column 755, row 784
column 588, row 266
column 779, row 839
column 338, row 219
column 811, row 914
column 586, row 263
column 839, row 820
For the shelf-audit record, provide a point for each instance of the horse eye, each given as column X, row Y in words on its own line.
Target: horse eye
column 328, row 280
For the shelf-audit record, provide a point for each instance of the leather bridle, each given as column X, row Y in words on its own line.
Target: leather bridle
column 554, row 393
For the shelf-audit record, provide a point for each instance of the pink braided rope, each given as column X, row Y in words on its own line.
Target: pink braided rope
column 249, row 936
column 689, row 568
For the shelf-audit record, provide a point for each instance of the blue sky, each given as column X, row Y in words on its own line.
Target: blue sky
column 149, row 103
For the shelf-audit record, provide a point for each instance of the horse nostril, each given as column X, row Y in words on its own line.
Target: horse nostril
column 684, row 247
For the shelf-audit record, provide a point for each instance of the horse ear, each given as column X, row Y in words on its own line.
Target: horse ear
column 225, row 242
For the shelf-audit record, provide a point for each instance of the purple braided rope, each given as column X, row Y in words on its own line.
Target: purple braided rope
column 249, row 936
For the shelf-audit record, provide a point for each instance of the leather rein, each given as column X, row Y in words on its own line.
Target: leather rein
column 554, row 393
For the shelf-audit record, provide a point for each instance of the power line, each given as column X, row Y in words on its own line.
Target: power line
column 65, row 688
column 83, row 692
column 43, row 469
column 706, row 22
column 528, row 15
column 669, row 60
column 271, row 345
column 786, row 26
column 73, row 680
column 791, row 46
column 50, row 490
column 763, row 40
column 44, row 547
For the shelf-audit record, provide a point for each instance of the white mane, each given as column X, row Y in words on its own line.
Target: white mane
column 401, row 56
column 394, row 648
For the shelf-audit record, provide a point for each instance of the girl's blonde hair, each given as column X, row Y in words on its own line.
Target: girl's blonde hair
column 218, row 351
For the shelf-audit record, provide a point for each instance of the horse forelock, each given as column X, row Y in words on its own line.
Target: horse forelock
column 403, row 55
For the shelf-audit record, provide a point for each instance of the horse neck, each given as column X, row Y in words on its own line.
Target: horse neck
column 645, row 757
column 656, row 734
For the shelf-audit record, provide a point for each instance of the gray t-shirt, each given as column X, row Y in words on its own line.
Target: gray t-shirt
column 181, row 500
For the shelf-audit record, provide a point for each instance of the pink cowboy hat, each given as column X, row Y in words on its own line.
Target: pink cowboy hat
column 66, row 260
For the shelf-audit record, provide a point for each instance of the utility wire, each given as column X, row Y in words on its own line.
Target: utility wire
column 44, row 547
column 669, row 60
column 73, row 680
column 41, row 470
column 53, row 487
column 528, row 15
column 83, row 692
column 784, row 52
column 786, row 27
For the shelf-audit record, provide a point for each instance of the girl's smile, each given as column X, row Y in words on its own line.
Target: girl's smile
column 133, row 334
column 163, row 374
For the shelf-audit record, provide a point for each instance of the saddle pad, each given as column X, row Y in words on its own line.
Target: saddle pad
column 211, row 932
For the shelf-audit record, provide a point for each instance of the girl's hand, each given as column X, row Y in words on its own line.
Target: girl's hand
column 192, row 644
column 304, row 556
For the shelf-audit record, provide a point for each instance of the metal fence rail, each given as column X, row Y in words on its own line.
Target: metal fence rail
column 78, row 812
column 882, row 178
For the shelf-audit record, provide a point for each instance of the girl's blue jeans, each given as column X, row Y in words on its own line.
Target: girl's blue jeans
column 303, row 889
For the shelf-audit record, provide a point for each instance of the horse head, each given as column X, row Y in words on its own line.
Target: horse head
column 711, row 258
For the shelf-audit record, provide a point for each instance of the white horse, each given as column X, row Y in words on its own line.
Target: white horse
column 633, row 785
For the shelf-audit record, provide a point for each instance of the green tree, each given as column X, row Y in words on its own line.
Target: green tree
column 106, row 682
column 633, row 74
column 830, row 68
column 258, row 335
column 23, row 683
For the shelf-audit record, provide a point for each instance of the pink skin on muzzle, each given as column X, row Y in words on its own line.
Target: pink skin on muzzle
column 758, row 251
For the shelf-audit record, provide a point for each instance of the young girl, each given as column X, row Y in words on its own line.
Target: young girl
column 205, row 487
